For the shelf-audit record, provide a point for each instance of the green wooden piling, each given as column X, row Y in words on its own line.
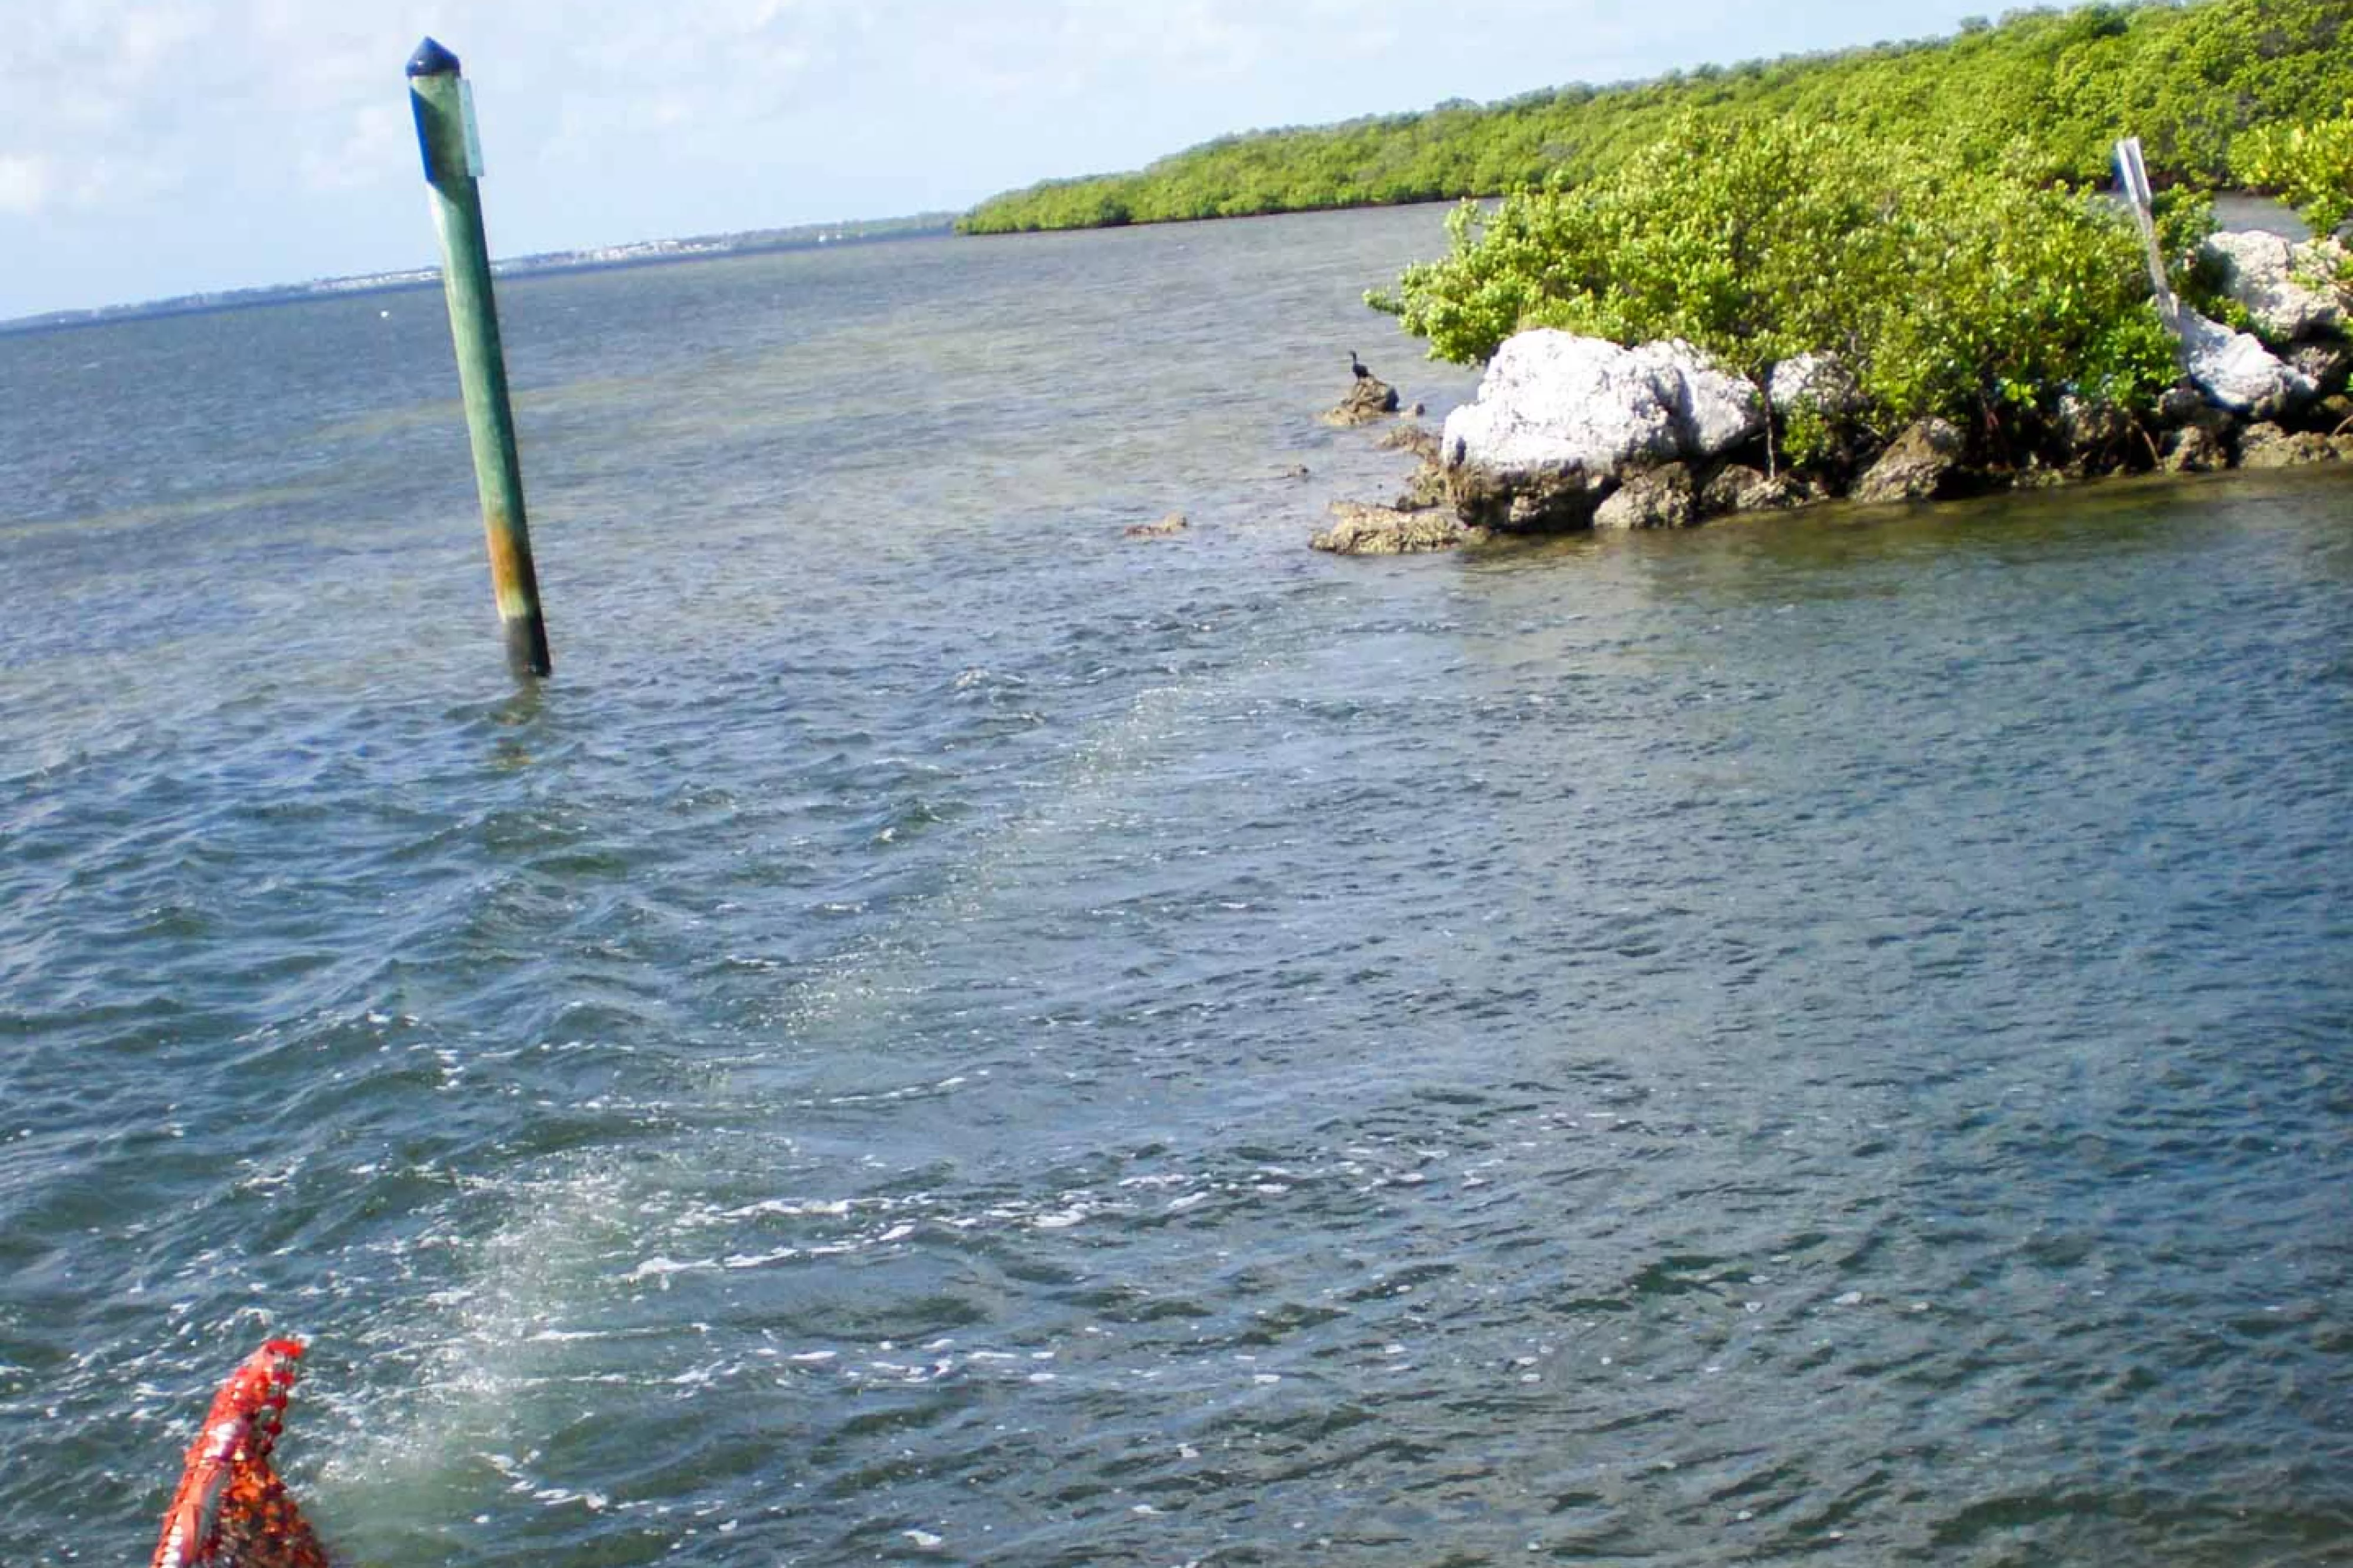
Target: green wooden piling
column 438, row 95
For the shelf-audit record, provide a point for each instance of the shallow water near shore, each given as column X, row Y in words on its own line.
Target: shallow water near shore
column 947, row 1034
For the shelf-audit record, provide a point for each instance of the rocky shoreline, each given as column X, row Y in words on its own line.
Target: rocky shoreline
column 1575, row 433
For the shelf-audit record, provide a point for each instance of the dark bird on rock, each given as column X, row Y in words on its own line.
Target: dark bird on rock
column 1358, row 366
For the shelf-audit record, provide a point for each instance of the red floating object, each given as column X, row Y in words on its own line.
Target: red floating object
column 232, row 1510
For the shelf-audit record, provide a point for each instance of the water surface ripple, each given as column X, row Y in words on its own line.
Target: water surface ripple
column 948, row 1036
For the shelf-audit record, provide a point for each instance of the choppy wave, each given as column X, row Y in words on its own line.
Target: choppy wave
column 948, row 1036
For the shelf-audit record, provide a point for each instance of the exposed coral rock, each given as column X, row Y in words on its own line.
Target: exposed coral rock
column 2267, row 445
column 1916, row 467
column 1529, row 498
column 1738, row 487
column 2185, row 405
column 1174, row 524
column 2326, row 362
column 1369, row 398
column 1577, row 432
column 1425, row 488
column 1383, row 530
column 2182, row 405
column 2195, row 449
column 1656, row 497
column 2096, row 433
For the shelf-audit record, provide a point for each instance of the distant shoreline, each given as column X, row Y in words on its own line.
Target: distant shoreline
column 2044, row 92
column 604, row 259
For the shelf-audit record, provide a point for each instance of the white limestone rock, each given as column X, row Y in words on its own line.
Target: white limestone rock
column 2236, row 372
column 2285, row 287
column 1821, row 379
column 1552, row 402
column 1714, row 410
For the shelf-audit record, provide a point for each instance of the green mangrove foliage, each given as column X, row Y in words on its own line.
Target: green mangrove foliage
column 2044, row 93
column 1970, row 294
column 2310, row 166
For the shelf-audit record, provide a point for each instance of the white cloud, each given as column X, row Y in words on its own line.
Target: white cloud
column 25, row 184
column 375, row 137
column 149, row 38
column 159, row 129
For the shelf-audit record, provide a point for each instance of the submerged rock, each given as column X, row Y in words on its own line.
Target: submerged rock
column 1915, row 467
column 1364, row 530
column 1176, row 522
column 1418, row 439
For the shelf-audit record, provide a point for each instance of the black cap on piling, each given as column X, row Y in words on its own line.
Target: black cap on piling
column 432, row 59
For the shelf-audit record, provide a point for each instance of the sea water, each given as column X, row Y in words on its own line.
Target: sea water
column 946, row 1034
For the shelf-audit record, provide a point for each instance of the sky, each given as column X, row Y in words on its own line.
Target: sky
column 154, row 148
